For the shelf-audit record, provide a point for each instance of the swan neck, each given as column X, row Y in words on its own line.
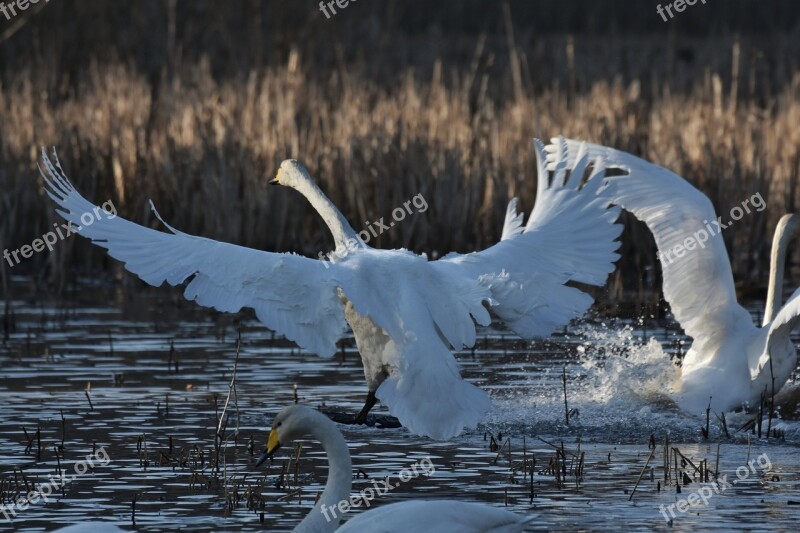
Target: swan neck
column 325, row 516
column 339, row 226
column 780, row 242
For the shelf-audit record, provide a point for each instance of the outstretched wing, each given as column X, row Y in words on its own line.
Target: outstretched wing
column 698, row 282
column 570, row 236
column 292, row 295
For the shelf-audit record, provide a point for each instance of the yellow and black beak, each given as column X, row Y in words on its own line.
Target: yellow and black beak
column 272, row 446
column 277, row 179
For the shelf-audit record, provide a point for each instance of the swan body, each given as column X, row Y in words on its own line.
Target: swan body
column 437, row 516
column 732, row 360
column 406, row 312
column 91, row 527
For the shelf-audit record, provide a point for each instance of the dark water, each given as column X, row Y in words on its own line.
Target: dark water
column 159, row 370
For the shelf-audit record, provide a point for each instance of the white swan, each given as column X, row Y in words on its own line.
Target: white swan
column 435, row 516
column 405, row 311
column 731, row 359
column 91, row 527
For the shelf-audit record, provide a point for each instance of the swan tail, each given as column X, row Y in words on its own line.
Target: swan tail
column 434, row 402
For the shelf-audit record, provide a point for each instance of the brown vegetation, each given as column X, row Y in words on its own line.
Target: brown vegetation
column 201, row 141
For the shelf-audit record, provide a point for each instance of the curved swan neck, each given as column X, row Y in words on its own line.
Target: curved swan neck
column 788, row 225
column 339, row 226
column 325, row 516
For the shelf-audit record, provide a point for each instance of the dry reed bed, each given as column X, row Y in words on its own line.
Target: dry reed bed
column 202, row 149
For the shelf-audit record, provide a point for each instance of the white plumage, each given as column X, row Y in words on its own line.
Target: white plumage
column 406, row 311
column 91, row 527
column 435, row 516
column 731, row 360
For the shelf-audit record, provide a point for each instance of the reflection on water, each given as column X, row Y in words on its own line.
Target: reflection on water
column 158, row 371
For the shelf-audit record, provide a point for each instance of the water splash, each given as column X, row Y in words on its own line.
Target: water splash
column 620, row 368
column 618, row 389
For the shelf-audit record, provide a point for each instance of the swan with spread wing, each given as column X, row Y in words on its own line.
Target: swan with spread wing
column 406, row 312
column 731, row 360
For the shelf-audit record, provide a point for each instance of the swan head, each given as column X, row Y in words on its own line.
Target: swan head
column 292, row 174
column 789, row 224
column 291, row 423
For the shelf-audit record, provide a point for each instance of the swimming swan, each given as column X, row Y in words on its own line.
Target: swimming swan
column 435, row 516
column 91, row 527
column 405, row 311
column 731, row 359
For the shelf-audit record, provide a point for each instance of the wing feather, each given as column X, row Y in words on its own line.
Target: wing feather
column 513, row 221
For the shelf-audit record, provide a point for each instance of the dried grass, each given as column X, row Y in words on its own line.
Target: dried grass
column 202, row 145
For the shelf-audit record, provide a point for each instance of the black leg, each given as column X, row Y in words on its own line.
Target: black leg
column 361, row 418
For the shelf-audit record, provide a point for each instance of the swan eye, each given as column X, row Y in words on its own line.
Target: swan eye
column 278, row 424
